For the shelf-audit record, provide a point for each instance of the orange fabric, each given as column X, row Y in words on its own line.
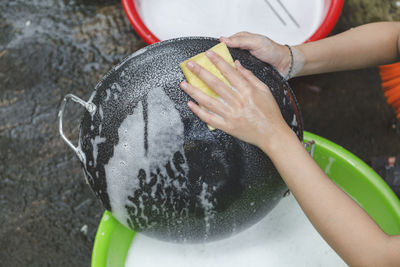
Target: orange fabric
column 389, row 66
column 396, row 104
column 385, row 76
column 391, row 99
column 390, row 75
column 391, row 83
column 392, row 90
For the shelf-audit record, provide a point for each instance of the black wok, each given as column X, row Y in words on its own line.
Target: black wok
column 157, row 167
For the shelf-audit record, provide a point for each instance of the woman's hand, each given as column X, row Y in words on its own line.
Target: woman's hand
column 247, row 111
column 262, row 48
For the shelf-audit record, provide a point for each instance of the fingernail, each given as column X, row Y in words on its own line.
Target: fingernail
column 210, row 53
column 184, row 85
column 190, row 104
column 238, row 63
column 190, row 65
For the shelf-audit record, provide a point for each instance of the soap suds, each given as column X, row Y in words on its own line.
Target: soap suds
column 116, row 86
column 95, row 142
column 108, row 92
column 206, row 201
column 284, row 237
column 139, row 173
column 294, row 121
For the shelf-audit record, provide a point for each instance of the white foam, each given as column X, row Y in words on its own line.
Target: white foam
column 294, row 121
column 95, row 142
column 101, row 114
column 284, row 237
column 165, row 137
column 100, row 128
column 208, row 206
column 108, row 92
column 117, row 87
column 177, row 18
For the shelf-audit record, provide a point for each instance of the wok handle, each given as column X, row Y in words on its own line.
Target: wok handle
column 89, row 106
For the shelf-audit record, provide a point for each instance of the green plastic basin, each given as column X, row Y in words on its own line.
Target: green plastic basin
column 113, row 240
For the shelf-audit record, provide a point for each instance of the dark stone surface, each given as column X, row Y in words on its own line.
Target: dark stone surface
column 349, row 109
column 49, row 48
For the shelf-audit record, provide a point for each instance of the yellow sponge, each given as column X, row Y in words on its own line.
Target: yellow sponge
column 203, row 61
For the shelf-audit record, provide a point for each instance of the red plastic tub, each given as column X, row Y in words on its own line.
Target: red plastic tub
column 331, row 12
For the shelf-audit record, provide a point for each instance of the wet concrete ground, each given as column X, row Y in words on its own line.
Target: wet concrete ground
column 49, row 48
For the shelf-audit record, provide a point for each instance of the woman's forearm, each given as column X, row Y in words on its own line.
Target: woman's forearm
column 252, row 114
column 340, row 220
column 364, row 46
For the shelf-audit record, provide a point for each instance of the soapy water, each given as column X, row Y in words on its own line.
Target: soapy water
column 177, row 18
column 205, row 199
column 147, row 176
column 142, row 147
column 294, row 121
column 284, row 237
column 95, row 142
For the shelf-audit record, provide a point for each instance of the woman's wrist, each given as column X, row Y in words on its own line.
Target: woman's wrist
column 277, row 143
column 299, row 61
column 284, row 64
column 292, row 61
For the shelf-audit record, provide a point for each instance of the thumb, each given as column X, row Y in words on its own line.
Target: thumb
column 241, row 40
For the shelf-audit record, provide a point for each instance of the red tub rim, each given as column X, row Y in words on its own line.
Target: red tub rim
column 323, row 30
